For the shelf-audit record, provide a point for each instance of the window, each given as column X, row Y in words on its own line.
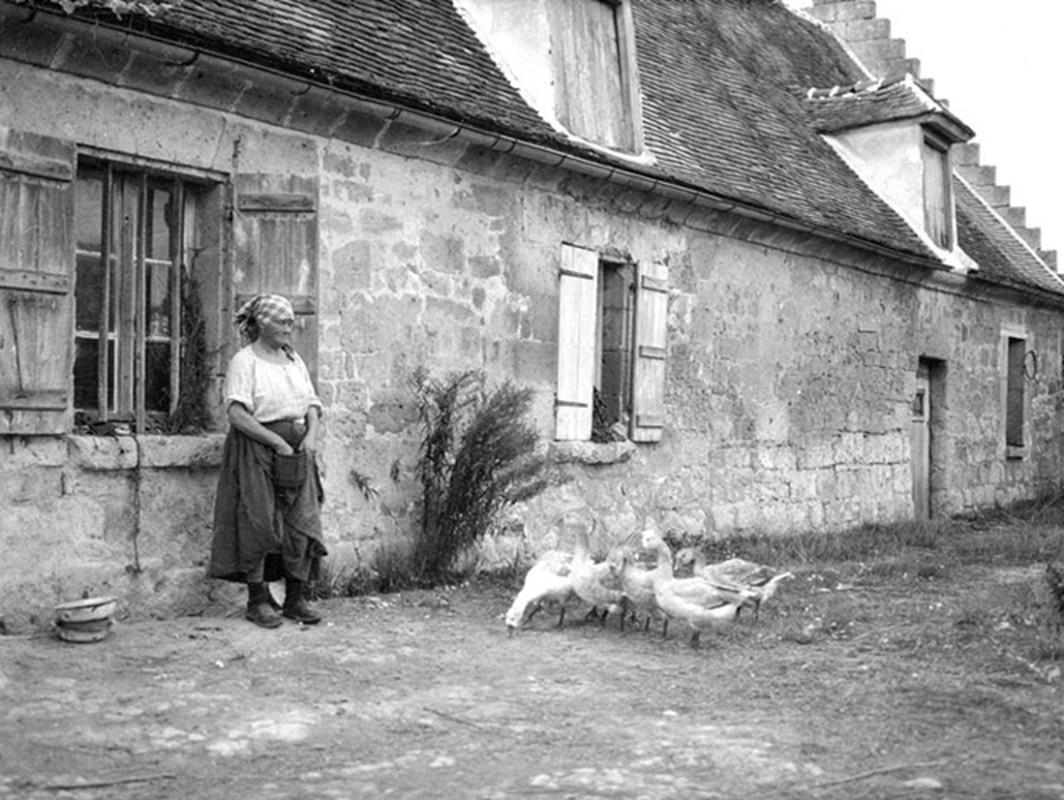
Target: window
column 1014, row 392
column 612, row 348
column 938, row 191
column 134, row 229
column 593, row 67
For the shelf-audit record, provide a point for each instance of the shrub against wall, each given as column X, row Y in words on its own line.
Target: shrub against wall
column 479, row 454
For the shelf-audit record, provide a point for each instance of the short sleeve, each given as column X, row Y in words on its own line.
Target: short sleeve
column 240, row 381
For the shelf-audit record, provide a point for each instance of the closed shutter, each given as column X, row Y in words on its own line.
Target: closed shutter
column 648, row 390
column 36, row 265
column 275, row 236
column 577, row 311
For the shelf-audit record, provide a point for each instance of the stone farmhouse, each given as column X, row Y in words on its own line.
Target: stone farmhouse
column 748, row 236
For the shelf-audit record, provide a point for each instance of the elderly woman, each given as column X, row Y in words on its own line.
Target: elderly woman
column 267, row 521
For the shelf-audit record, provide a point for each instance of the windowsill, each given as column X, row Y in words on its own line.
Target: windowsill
column 1015, row 452
column 591, row 452
column 151, row 451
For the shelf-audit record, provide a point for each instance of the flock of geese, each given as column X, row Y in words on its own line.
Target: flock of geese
column 641, row 581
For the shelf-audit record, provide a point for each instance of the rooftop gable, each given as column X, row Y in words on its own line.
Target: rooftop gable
column 723, row 86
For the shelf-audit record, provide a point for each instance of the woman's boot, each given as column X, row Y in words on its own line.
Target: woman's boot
column 260, row 610
column 295, row 603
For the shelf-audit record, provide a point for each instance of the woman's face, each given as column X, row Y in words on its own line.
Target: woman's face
column 275, row 333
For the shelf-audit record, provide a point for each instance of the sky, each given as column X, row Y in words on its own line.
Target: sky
column 1000, row 66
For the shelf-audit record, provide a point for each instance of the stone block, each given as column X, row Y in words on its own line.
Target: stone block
column 22, row 452
column 187, row 452
column 213, row 83
column 35, row 43
column 103, row 452
column 91, row 55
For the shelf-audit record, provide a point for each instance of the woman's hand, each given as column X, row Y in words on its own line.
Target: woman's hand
column 284, row 449
column 310, row 443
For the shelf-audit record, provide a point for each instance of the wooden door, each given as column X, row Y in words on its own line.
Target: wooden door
column 921, row 445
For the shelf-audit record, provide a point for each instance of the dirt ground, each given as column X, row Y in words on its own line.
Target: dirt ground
column 856, row 683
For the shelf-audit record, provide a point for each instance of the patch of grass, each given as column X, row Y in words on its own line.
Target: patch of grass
column 390, row 569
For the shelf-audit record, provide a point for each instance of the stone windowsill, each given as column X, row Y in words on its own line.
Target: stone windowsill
column 591, row 452
column 202, row 451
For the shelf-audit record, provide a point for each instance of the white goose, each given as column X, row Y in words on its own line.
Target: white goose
column 548, row 583
column 762, row 581
column 694, row 601
column 637, row 585
column 598, row 584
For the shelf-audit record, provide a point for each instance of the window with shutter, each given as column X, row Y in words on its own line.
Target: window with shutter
column 611, row 349
column 577, row 317
column 36, row 260
column 938, row 191
column 276, row 242
column 136, row 232
column 648, row 389
column 1014, row 394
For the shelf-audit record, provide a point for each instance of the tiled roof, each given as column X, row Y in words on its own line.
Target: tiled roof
column 723, row 86
column 714, row 121
column 415, row 52
column 1000, row 253
column 869, row 103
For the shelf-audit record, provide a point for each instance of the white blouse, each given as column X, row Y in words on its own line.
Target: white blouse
column 269, row 391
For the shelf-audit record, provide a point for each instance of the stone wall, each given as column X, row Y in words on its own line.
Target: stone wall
column 791, row 365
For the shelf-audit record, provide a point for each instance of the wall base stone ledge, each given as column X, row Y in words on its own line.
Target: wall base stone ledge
column 189, row 452
column 102, row 452
column 591, row 452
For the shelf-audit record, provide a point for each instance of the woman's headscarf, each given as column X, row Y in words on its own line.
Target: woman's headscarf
column 273, row 307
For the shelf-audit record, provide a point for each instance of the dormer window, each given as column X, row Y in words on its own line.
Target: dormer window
column 592, row 65
column 572, row 60
column 897, row 137
column 938, row 190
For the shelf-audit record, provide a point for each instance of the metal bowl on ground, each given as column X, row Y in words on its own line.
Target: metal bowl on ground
column 84, row 632
column 90, row 609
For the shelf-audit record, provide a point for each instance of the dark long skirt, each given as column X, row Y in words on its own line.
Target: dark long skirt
column 254, row 520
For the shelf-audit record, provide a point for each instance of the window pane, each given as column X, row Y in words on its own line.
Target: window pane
column 85, row 373
column 157, row 383
column 157, row 302
column 88, row 292
column 158, row 233
column 89, row 212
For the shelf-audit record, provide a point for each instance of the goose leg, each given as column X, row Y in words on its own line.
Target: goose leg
column 695, row 643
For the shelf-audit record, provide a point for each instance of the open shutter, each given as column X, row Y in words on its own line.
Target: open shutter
column 648, row 378
column 275, row 235
column 577, row 311
column 36, row 264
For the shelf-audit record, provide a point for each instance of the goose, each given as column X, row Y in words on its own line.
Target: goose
column 598, row 584
column 548, row 582
column 760, row 580
column 701, row 605
column 637, row 587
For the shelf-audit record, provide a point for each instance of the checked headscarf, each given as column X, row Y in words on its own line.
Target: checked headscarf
column 271, row 307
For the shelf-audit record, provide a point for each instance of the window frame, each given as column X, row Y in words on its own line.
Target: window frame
column 592, row 110
column 1014, row 418
column 586, row 344
column 120, row 395
column 938, row 190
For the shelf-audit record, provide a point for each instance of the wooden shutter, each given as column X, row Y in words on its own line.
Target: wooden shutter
column 275, row 235
column 36, row 265
column 651, row 346
column 577, row 311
